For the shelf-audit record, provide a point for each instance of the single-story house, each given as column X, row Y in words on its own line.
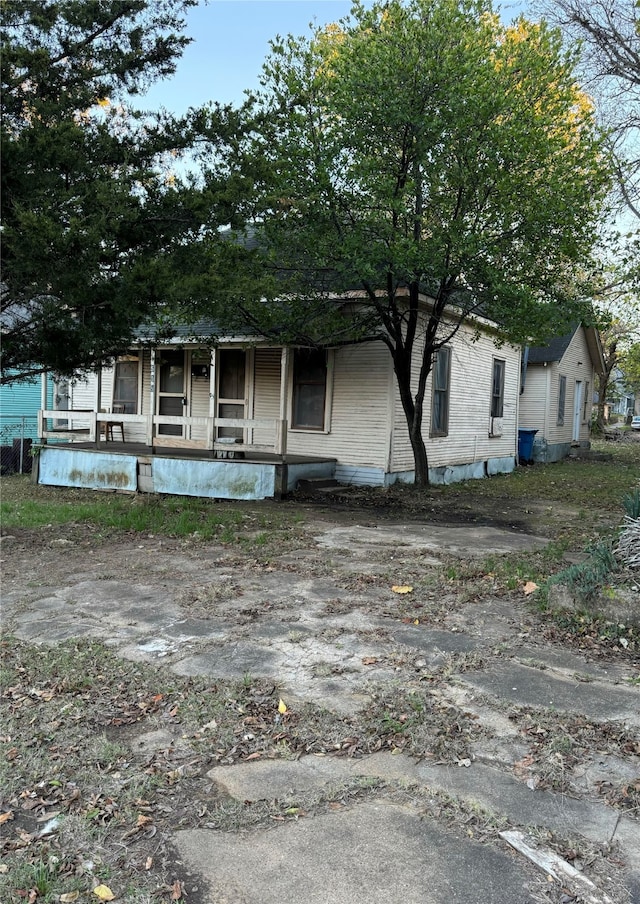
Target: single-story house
column 248, row 419
column 557, row 389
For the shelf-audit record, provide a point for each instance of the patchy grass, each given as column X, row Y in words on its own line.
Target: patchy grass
column 26, row 506
column 102, row 758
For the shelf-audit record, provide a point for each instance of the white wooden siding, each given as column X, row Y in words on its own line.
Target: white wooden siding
column 534, row 401
column 359, row 433
column 468, row 438
column 198, row 394
column 83, row 393
column 266, row 402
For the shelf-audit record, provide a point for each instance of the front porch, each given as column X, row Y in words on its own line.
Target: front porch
column 90, row 449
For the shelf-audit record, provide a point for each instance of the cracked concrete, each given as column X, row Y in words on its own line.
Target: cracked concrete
column 324, row 624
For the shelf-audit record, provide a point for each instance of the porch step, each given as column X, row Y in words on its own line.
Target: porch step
column 315, row 484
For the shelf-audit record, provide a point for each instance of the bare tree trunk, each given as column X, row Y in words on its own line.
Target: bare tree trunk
column 413, row 413
column 610, row 361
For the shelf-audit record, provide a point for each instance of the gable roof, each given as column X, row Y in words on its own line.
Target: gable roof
column 554, row 351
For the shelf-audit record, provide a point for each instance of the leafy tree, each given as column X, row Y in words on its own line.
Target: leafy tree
column 434, row 165
column 619, row 332
column 97, row 227
column 630, row 367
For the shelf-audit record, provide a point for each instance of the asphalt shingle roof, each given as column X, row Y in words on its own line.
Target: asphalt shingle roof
column 544, row 354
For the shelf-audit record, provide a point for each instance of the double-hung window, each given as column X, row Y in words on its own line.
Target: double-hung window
column 497, row 388
column 586, row 411
column 309, row 389
column 440, row 392
column 562, row 396
column 125, row 386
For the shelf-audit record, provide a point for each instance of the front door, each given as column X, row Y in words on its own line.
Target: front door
column 172, row 392
column 232, row 375
column 577, row 408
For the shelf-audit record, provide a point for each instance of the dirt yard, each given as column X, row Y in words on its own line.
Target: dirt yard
column 349, row 626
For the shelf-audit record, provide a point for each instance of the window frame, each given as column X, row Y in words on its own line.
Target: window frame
column 562, row 400
column 497, row 410
column 443, row 392
column 585, row 405
column 325, row 427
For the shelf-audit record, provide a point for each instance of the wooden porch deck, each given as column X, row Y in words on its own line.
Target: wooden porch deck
column 141, row 450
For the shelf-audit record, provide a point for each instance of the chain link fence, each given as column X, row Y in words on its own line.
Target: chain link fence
column 17, row 434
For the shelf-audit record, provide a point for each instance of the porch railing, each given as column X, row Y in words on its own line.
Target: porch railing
column 91, row 426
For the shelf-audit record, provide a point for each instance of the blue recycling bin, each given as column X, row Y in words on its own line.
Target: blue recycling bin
column 525, row 444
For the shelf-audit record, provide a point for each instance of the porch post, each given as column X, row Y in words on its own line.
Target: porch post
column 211, row 430
column 152, row 397
column 99, row 406
column 43, row 405
column 281, row 432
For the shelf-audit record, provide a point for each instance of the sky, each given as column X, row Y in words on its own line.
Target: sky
column 230, row 43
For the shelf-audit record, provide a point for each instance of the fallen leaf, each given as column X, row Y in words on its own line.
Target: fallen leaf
column 176, row 890
column 103, row 892
column 402, row 588
column 529, row 587
column 69, row 896
column 6, row 816
column 370, row 660
column 282, row 707
column 148, row 863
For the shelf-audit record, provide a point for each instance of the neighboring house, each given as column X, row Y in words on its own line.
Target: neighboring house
column 20, row 402
column 557, row 390
column 248, row 419
column 625, row 404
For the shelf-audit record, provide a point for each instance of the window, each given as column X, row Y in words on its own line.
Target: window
column 497, row 388
column 440, row 399
column 586, row 411
column 562, row 395
column 125, row 386
column 309, row 389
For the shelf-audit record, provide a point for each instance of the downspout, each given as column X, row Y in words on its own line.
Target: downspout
column 524, row 360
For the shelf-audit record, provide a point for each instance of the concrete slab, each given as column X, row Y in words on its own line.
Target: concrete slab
column 434, row 642
column 500, row 793
column 467, row 540
column 233, row 660
column 375, row 852
column 540, row 688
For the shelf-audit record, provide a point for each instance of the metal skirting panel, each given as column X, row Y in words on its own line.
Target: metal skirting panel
column 213, row 479
column 447, row 474
column 69, row 468
column 546, row 453
column 505, row 465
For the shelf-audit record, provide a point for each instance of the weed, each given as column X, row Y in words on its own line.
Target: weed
column 631, row 503
column 587, row 579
